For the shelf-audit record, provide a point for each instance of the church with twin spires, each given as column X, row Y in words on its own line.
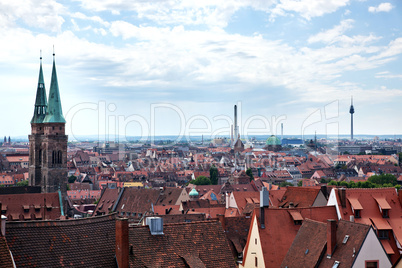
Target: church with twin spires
column 48, row 141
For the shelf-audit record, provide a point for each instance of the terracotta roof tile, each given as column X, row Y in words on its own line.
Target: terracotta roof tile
column 182, row 245
column 75, row 243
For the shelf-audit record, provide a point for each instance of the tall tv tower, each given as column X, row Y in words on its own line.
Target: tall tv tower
column 351, row 111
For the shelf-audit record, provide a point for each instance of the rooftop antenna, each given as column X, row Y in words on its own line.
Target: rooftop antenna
column 40, row 55
column 53, row 51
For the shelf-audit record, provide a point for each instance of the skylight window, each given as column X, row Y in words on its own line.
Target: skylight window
column 345, row 239
column 336, row 264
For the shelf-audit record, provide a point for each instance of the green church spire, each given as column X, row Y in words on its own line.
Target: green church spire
column 40, row 102
column 54, row 113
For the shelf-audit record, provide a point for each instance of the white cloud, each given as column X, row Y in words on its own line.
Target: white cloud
column 383, row 7
column 308, row 8
column 97, row 19
column 43, row 14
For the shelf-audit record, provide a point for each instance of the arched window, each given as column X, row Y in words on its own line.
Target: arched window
column 53, row 157
column 40, row 156
column 59, row 156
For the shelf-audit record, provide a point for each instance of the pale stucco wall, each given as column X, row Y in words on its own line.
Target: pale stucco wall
column 254, row 249
column 332, row 201
column 372, row 250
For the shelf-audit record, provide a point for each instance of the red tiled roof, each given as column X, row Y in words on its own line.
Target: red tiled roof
column 308, row 246
column 370, row 212
column 31, row 206
column 280, row 230
column 6, row 261
column 75, row 243
column 197, row 244
column 300, row 196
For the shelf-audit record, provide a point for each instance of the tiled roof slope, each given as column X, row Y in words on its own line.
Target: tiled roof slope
column 31, row 206
column 344, row 252
column 133, row 202
column 198, row 244
column 312, row 236
column 300, row 196
column 236, row 230
column 371, row 214
column 169, row 196
column 106, row 202
column 73, row 243
column 281, row 229
column 6, row 260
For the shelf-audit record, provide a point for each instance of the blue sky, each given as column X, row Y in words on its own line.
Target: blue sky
column 178, row 67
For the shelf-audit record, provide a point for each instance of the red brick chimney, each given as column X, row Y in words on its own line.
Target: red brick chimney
column 342, row 196
column 122, row 246
column 331, row 237
column 221, row 219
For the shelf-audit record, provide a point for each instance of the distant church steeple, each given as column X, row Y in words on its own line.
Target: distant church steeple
column 351, row 111
column 40, row 102
column 48, row 142
column 54, row 112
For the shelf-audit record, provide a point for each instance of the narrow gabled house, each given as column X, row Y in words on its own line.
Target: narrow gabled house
column 379, row 207
column 272, row 231
column 346, row 244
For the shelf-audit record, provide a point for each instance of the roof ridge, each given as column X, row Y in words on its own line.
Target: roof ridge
column 67, row 222
column 180, row 223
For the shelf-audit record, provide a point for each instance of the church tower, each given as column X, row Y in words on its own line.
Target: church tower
column 351, row 111
column 48, row 142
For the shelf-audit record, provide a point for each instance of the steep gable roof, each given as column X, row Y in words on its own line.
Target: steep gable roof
column 368, row 202
column 197, row 244
column 281, row 228
column 169, row 196
column 309, row 246
column 106, row 202
column 300, row 196
column 75, row 243
column 6, row 260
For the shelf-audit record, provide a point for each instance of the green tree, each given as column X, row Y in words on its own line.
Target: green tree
column 201, row 180
column 72, row 179
column 249, row 172
column 333, row 183
column 213, row 175
column 300, row 183
column 22, row 183
column 285, row 183
column 383, row 179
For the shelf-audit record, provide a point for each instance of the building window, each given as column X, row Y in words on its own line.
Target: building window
column 357, row 213
column 372, row 264
column 385, row 213
column 383, row 234
column 256, row 261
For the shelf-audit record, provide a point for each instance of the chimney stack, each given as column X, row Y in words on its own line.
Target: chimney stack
column 342, row 197
column 331, row 237
column 221, row 219
column 122, row 243
column 264, row 203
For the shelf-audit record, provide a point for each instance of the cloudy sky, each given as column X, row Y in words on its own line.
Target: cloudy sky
column 178, row 67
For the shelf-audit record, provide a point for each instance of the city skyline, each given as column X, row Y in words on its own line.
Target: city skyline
column 181, row 67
